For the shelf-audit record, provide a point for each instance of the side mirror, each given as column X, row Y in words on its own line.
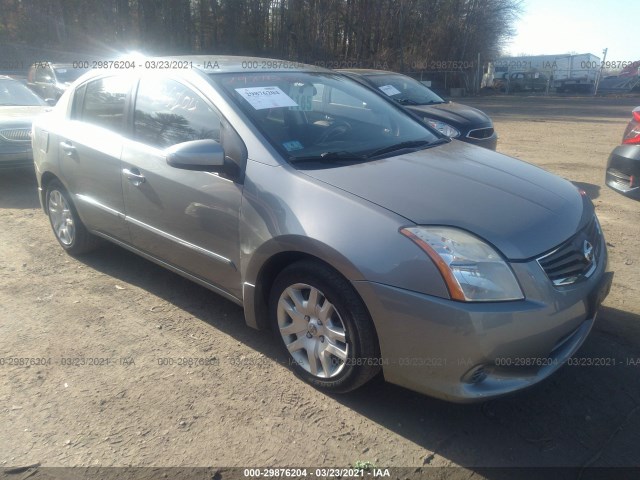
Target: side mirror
column 203, row 155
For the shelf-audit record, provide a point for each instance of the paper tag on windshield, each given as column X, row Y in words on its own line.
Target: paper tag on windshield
column 389, row 90
column 266, row 97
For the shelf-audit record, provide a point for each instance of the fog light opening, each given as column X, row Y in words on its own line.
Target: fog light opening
column 476, row 375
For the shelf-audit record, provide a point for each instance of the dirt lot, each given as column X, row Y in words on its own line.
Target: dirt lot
column 246, row 408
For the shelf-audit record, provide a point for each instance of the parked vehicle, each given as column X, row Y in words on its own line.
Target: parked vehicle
column 627, row 81
column 451, row 119
column 623, row 167
column 567, row 73
column 365, row 239
column 50, row 80
column 521, row 82
column 18, row 107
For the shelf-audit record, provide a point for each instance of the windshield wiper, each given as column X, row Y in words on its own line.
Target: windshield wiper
column 337, row 155
column 409, row 144
column 406, row 101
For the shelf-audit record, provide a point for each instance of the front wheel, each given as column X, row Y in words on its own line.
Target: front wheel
column 324, row 327
column 69, row 230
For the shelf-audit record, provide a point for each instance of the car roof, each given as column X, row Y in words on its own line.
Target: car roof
column 236, row 64
column 367, row 71
column 212, row 64
column 208, row 64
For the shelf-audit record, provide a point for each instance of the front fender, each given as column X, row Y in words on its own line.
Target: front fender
column 286, row 216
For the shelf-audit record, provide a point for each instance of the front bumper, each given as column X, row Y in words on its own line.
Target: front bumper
column 14, row 160
column 465, row 352
column 16, row 156
column 490, row 142
column 623, row 170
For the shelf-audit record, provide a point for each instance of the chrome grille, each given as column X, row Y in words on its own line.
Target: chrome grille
column 480, row 133
column 575, row 259
column 16, row 134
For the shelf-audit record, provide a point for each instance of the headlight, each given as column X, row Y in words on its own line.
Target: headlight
column 442, row 127
column 472, row 270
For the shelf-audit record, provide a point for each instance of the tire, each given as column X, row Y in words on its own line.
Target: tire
column 67, row 227
column 332, row 343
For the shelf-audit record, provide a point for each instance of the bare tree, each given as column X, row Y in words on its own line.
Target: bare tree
column 396, row 34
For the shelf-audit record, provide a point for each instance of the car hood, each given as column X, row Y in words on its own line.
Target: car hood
column 521, row 209
column 16, row 116
column 453, row 113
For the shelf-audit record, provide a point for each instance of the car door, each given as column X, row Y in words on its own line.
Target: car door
column 90, row 145
column 188, row 219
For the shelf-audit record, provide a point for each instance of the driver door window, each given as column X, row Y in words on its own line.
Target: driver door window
column 167, row 113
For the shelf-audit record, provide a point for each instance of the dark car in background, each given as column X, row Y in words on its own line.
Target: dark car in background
column 18, row 107
column 50, row 80
column 451, row 119
column 521, row 82
column 623, row 167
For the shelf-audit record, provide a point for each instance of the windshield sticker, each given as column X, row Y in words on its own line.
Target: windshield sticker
column 266, row 97
column 303, row 95
column 390, row 90
column 292, row 145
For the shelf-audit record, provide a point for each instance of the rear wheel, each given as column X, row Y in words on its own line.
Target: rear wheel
column 69, row 230
column 324, row 327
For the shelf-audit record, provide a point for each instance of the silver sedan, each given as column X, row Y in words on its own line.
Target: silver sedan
column 367, row 241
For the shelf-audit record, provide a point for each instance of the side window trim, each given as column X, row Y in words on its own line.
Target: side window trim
column 78, row 102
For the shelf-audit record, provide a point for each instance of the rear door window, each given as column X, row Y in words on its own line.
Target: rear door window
column 104, row 102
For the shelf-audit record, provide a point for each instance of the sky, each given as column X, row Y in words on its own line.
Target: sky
column 581, row 26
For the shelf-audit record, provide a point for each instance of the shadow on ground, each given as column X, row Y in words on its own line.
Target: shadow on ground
column 584, row 415
column 18, row 188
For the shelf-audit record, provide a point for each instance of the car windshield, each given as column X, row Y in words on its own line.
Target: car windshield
column 405, row 90
column 13, row 93
column 323, row 116
column 69, row 74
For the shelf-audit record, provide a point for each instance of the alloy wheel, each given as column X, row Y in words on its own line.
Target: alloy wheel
column 61, row 218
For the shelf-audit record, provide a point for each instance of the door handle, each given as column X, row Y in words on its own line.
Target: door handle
column 68, row 149
column 134, row 176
